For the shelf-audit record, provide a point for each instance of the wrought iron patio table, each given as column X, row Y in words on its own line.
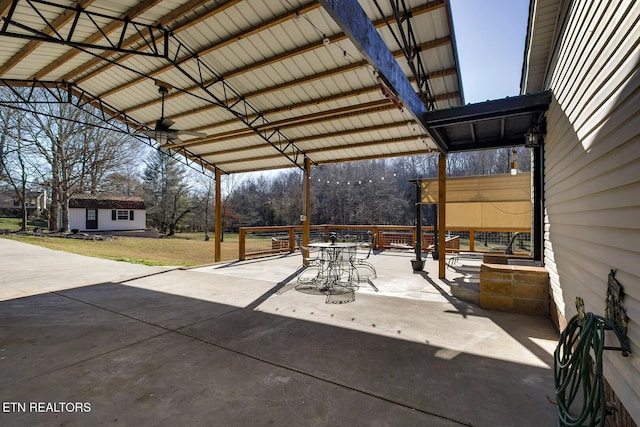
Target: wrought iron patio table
column 335, row 267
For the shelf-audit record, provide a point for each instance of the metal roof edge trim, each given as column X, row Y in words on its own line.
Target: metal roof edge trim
column 524, row 73
column 489, row 109
column 454, row 48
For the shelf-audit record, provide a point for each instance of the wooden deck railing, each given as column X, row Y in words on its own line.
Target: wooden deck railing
column 258, row 241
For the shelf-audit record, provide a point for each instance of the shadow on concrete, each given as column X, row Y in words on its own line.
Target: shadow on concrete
column 141, row 357
column 461, row 307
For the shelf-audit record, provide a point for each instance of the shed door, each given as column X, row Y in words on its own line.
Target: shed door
column 92, row 219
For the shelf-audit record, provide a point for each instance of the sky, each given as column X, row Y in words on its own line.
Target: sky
column 490, row 36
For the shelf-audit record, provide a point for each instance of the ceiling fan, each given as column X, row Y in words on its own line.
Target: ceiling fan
column 162, row 131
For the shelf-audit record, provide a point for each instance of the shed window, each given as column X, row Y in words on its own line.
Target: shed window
column 118, row 215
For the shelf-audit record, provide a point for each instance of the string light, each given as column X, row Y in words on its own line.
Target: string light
column 359, row 182
column 325, row 40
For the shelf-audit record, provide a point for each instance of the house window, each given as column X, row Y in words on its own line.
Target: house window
column 118, row 215
column 91, row 214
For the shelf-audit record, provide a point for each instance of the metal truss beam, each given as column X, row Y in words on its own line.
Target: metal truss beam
column 153, row 38
column 221, row 93
column 336, row 38
column 406, row 39
column 355, row 23
column 119, row 121
column 163, row 44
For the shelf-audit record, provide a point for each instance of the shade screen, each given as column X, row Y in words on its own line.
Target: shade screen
column 489, row 201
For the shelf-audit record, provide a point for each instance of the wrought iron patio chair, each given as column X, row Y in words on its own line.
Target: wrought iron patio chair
column 312, row 265
column 362, row 254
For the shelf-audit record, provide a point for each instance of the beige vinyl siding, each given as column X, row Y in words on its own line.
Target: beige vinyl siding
column 592, row 172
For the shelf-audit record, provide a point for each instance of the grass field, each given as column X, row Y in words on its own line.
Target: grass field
column 13, row 224
column 185, row 249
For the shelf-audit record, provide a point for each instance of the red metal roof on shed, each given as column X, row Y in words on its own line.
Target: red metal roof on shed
column 106, row 202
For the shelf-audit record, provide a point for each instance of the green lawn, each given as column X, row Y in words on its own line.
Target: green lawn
column 13, row 224
column 183, row 250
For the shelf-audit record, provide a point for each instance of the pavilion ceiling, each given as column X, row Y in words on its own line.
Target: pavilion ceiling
column 268, row 81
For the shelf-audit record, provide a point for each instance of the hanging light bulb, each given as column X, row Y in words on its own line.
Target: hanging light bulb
column 514, row 162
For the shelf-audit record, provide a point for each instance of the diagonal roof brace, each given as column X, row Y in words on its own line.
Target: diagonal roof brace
column 355, row 23
column 17, row 25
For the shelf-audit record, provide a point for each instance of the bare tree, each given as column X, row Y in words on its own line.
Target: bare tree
column 57, row 133
column 203, row 199
column 77, row 149
column 104, row 152
column 13, row 163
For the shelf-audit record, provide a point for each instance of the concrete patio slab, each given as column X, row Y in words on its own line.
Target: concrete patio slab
column 236, row 344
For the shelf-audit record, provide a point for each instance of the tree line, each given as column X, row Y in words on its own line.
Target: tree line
column 78, row 155
column 364, row 192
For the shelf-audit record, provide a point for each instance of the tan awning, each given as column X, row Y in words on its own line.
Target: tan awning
column 490, row 201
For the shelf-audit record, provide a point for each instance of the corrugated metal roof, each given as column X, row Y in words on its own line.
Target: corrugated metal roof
column 302, row 96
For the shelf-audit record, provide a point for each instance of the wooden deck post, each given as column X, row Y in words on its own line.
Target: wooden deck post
column 306, row 218
column 218, row 219
column 292, row 240
column 242, row 248
column 442, row 200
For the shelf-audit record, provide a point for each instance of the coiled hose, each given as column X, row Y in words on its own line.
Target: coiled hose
column 578, row 371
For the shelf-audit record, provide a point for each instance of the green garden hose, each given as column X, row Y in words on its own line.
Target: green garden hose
column 578, row 374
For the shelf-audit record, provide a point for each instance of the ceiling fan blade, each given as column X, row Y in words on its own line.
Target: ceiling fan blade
column 149, row 133
column 191, row 133
column 161, row 136
column 164, row 123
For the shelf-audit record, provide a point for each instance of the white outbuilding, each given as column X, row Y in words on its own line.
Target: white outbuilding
column 106, row 213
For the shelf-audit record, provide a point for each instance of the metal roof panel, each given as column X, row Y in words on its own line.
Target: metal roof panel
column 252, row 77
